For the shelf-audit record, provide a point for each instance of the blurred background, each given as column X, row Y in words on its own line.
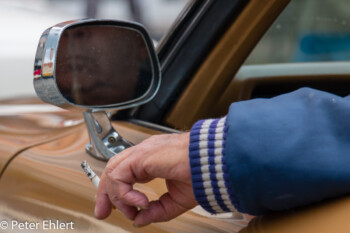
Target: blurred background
column 306, row 31
column 23, row 21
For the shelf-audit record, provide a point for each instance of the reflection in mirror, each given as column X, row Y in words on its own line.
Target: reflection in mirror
column 100, row 65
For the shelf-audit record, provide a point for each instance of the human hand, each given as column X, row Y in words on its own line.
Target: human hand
column 161, row 156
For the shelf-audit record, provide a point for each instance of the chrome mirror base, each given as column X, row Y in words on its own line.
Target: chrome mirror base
column 105, row 142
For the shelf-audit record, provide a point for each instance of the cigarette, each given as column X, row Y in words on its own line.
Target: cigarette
column 90, row 173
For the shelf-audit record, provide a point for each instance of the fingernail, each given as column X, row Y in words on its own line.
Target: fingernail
column 143, row 207
column 137, row 226
column 95, row 212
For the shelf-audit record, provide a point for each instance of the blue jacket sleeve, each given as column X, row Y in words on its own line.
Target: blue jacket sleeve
column 277, row 153
column 210, row 179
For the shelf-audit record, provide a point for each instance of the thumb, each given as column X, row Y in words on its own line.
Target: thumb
column 159, row 211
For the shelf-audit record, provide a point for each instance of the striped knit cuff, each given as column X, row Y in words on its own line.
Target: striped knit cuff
column 208, row 167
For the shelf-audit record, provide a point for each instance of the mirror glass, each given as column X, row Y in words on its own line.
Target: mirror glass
column 100, row 65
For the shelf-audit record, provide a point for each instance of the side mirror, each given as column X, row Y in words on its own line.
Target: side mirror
column 94, row 65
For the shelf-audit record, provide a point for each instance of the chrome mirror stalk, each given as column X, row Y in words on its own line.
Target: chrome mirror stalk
column 105, row 142
column 93, row 65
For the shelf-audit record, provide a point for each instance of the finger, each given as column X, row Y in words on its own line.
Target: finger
column 103, row 206
column 129, row 211
column 116, row 159
column 121, row 186
column 159, row 211
column 125, row 193
column 106, row 195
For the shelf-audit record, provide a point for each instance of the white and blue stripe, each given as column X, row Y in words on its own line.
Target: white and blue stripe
column 209, row 174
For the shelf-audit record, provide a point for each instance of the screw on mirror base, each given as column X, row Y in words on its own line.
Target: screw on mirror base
column 105, row 142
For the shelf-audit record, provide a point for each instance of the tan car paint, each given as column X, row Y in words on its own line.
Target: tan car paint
column 20, row 132
column 46, row 182
column 326, row 217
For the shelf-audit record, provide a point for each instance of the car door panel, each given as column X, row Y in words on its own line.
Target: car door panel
column 327, row 216
column 44, row 179
column 47, row 182
column 26, row 123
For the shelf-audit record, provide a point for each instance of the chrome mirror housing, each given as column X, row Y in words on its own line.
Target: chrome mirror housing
column 96, row 65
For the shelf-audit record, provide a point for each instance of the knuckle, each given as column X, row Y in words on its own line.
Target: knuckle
column 114, row 178
column 109, row 170
column 128, row 198
column 141, row 149
column 124, row 196
column 114, row 199
column 148, row 166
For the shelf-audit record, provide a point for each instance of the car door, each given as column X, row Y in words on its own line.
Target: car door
column 199, row 60
column 45, row 182
column 22, row 127
column 314, row 36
